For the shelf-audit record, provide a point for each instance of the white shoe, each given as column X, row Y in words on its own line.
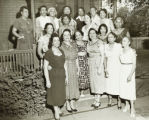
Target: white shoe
column 82, row 95
column 126, row 109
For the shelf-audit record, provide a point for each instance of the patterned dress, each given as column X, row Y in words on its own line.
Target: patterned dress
column 72, row 89
column 83, row 66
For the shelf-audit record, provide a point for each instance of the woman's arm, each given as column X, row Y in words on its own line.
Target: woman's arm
column 46, row 73
column 66, row 73
column 133, row 67
column 39, row 50
column 14, row 31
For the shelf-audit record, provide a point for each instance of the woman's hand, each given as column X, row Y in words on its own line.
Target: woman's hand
column 48, row 85
column 82, row 53
column 129, row 78
column 21, row 37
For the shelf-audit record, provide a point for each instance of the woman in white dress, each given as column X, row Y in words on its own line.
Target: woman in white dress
column 95, row 48
column 127, row 81
column 112, row 68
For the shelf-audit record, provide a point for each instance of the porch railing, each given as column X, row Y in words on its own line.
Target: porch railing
column 17, row 62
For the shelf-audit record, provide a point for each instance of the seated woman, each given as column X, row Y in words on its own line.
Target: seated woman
column 120, row 30
column 65, row 25
column 55, row 77
column 127, row 75
column 44, row 41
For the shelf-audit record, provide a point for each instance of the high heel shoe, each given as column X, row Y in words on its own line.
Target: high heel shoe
column 70, row 111
column 109, row 105
column 74, row 110
column 61, row 114
column 119, row 107
column 97, row 105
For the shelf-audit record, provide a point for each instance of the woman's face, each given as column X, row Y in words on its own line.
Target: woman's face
column 67, row 10
column 78, row 36
column 52, row 12
column 118, row 23
column 103, row 30
column 66, row 20
column 111, row 38
column 49, row 29
column 56, row 42
column 93, row 11
column 43, row 11
column 102, row 14
column 87, row 19
column 81, row 12
column 92, row 35
column 67, row 36
column 25, row 13
column 125, row 42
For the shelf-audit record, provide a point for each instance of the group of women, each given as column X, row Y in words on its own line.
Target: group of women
column 87, row 52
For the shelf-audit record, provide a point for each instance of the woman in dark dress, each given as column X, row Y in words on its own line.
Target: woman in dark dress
column 55, row 77
column 23, row 30
column 120, row 30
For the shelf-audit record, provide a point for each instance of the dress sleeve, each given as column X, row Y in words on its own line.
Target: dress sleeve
column 47, row 56
column 16, row 24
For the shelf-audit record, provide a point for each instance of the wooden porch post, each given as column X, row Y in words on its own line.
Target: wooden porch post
column 36, row 60
column 115, row 8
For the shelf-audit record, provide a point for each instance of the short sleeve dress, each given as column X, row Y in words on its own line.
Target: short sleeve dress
column 56, row 95
column 24, row 28
column 113, row 68
column 97, row 81
column 127, row 89
column 72, row 89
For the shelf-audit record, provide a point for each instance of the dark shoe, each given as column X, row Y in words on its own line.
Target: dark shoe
column 97, row 106
column 74, row 110
column 61, row 114
column 109, row 105
column 92, row 105
column 70, row 111
column 119, row 107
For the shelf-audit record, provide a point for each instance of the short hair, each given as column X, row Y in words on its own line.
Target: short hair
column 82, row 9
column 22, row 8
column 46, row 25
column 115, row 36
column 51, row 40
column 52, row 8
column 68, row 7
column 104, row 10
column 93, row 7
column 122, row 19
column 90, row 31
column 68, row 30
column 102, row 25
column 43, row 6
column 79, row 32
column 65, row 15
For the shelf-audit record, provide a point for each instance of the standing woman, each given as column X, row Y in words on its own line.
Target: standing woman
column 120, row 30
column 43, row 41
column 112, row 68
column 53, row 17
column 95, row 48
column 23, row 30
column 72, row 88
column 105, row 20
column 127, row 81
column 102, row 33
column 55, row 77
column 80, row 18
column 83, row 62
